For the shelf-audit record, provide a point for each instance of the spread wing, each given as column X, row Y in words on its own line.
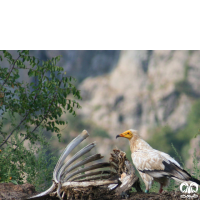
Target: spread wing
column 158, row 164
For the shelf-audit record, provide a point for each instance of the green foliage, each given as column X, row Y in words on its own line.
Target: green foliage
column 39, row 168
column 190, row 131
column 33, row 95
column 194, row 115
column 33, row 165
column 196, row 171
column 40, row 102
column 180, row 139
column 183, row 86
column 178, row 155
column 165, row 136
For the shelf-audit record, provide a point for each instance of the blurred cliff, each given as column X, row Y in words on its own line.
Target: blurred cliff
column 155, row 92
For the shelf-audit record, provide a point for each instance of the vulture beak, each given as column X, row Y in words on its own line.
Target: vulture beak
column 120, row 135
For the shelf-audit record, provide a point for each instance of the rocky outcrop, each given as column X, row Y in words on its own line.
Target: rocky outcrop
column 83, row 64
column 141, row 92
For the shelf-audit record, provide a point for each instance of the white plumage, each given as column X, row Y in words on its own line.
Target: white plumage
column 154, row 165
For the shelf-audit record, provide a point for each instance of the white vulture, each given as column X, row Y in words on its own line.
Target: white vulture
column 154, row 165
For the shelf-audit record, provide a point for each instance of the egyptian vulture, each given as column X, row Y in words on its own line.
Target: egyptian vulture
column 154, row 165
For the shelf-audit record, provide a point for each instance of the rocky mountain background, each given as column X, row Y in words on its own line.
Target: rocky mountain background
column 154, row 92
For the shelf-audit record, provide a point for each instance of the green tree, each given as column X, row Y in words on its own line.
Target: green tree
column 26, row 106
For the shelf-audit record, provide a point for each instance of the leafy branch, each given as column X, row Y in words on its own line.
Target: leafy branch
column 36, row 103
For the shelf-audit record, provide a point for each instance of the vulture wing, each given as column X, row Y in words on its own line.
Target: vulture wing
column 158, row 164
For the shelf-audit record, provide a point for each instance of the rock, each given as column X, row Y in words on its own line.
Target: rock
column 140, row 92
column 12, row 191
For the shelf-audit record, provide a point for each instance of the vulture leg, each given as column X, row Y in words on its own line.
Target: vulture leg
column 161, row 189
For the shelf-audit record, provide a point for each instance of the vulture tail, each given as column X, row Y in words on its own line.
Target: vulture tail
column 195, row 180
